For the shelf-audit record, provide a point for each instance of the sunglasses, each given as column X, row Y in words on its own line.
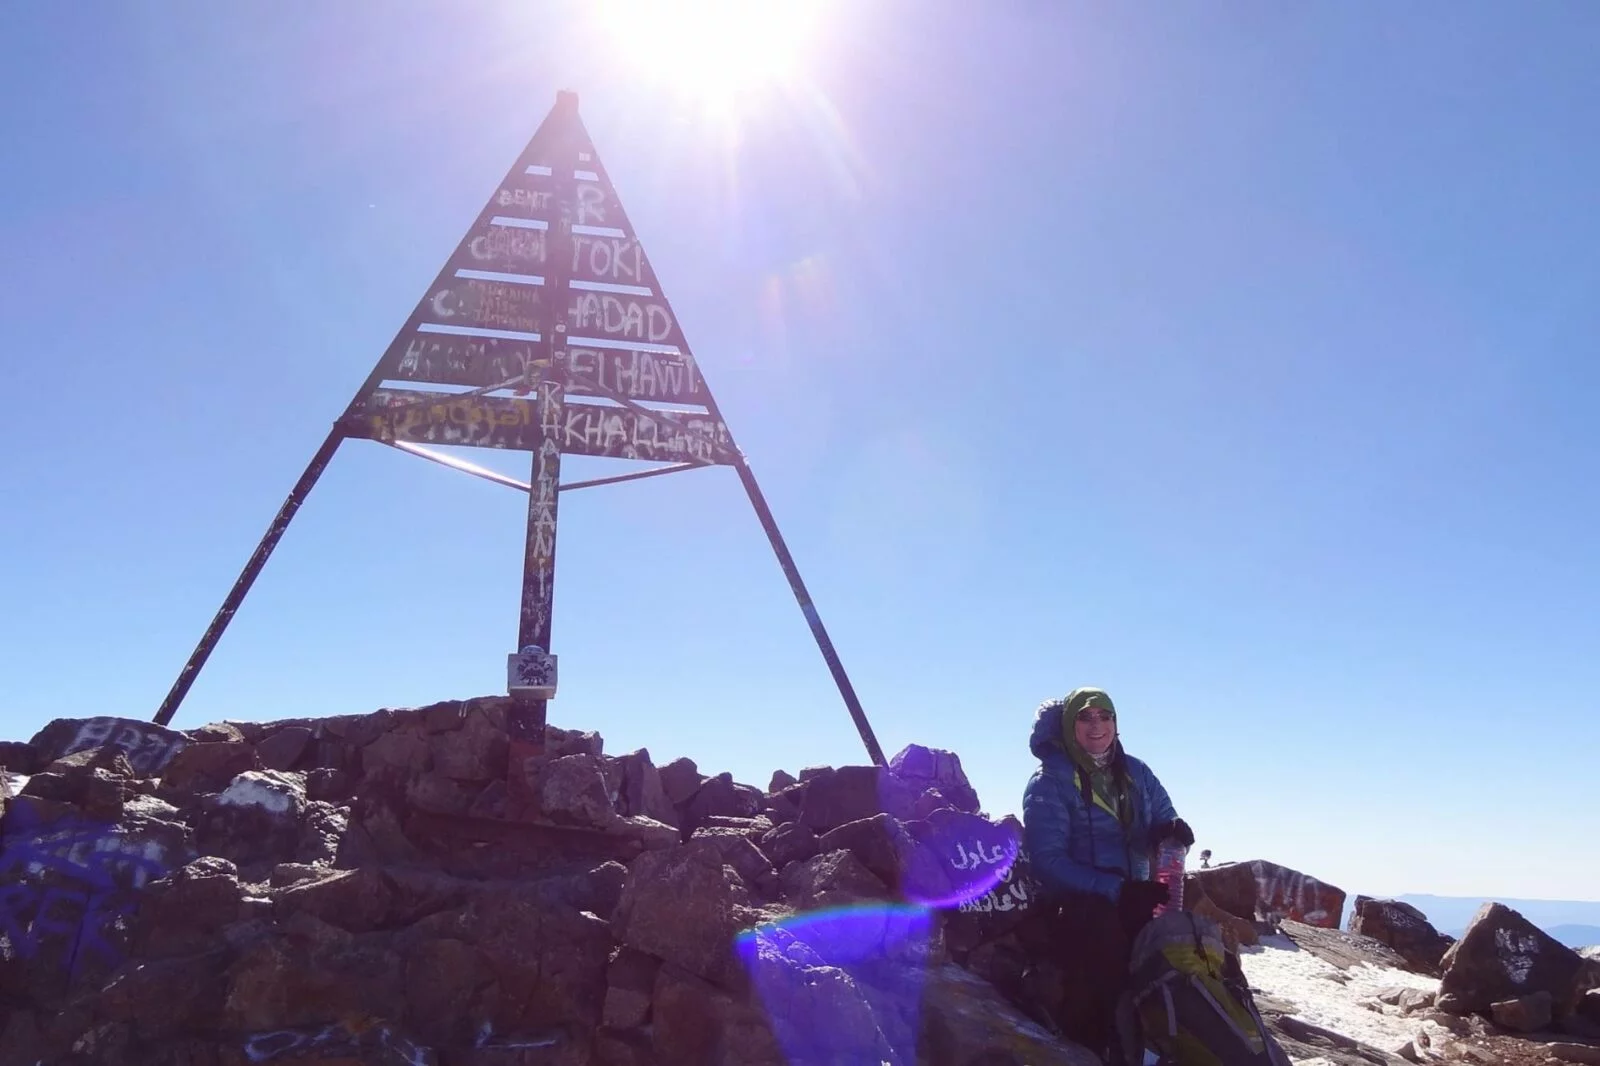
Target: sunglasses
column 1088, row 716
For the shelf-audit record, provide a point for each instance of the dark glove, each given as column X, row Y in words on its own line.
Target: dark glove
column 1137, row 901
column 1177, row 829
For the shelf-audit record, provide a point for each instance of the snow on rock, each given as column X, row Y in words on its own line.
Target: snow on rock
column 1324, row 995
column 274, row 792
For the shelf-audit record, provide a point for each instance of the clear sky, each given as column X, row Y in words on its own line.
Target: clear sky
column 1239, row 359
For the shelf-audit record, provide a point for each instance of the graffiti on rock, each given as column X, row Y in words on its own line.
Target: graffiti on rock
column 71, row 882
column 329, row 1040
column 1289, row 894
column 147, row 747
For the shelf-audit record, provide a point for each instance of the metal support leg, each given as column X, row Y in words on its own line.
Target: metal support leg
column 813, row 619
column 280, row 522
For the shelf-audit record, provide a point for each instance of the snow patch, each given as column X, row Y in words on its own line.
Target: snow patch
column 255, row 789
column 1326, row 996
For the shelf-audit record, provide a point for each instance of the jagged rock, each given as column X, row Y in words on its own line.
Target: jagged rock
column 684, row 905
column 285, row 984
column 281, row 749
column 1339, row 948
column 695, row 1023
column 1503, row 956
column 255, row 820
column 935, row 768
column 444, row 980
column 571, row 789
column 323, row 783
column 184, row 912
column 831, row 879
column 893, row 855
column 477, row 750
column 781, row 779
column 96, row 781
column 680, row 778
column 642, row 791
column 1236, row 932
column 17, row 757
column 1408, row 1000
column 719, row 797
column 820, row 1013
column 781, row 807
column 546, row 957
column 789, row 842
column 209, row 766
column 747, row 860
column 1259, row 890
column 1525, row 1014
column 930, row 802
column 851, row 793
column 630, row 986
column 444, row 716
column 439, row 794
column 148, row 747
column 357, row 901
column 560, row 743
column 968, row 1022
column 754, row 828
column 165, row 997
column 625, row 1047
column 396, row 755
column 1402, row 927
column 225, row 733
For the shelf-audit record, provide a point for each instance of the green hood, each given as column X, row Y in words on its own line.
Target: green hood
column 1109, row 782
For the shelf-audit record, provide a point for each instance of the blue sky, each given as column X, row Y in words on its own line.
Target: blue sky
column 1236, row 359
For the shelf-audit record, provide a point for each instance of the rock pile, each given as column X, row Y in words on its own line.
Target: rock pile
column 389, row 888
column 395, row 888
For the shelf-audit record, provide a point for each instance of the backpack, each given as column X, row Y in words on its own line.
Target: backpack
column 1188, row 1002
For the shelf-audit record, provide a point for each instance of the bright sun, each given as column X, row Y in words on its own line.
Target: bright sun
column 721, row 55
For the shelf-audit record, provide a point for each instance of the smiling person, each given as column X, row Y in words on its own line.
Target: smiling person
column 1092, row 814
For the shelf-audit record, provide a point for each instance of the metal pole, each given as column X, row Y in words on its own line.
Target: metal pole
column 247, row 577
column 619, row 478
column 807, row 608
column 456, row 464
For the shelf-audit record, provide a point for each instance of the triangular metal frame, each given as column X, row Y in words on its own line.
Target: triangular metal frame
column 551, row 318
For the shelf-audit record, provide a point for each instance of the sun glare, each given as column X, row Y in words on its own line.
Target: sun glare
column 721, row 55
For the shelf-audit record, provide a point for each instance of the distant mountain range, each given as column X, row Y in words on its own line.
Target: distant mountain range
column 1575, row 923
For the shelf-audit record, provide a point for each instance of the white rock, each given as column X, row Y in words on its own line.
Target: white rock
column 267, row 789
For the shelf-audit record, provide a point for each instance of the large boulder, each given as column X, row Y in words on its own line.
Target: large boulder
column 641, row 790
column 686, row 906
column 851, row 793
column 934, row 768
column 696, row 1023
column 148, row 747
column 1265, row 891
column 966, row 1022
column 830, row 879
column 1402, row 927
column 1503, row 956
column 894, row 856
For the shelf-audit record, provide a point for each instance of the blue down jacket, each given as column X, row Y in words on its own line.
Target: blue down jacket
column 1077, row 846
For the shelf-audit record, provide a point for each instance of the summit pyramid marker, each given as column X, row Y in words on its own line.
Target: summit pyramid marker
column 551, row 327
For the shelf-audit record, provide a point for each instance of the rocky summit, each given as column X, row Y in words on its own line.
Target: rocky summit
column 392, row 888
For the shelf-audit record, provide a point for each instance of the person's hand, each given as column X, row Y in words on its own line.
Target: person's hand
column 1177, row 829
column 1137, row 901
